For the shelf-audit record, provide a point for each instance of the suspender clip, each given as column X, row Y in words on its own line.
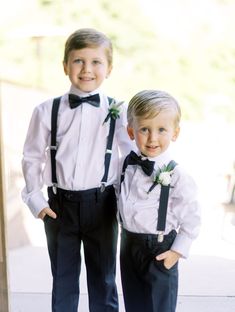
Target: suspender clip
column 53, row 147
column 102, row 188
column 54, row 188
column 160, row 236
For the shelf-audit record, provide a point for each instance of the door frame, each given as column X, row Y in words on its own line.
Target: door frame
column 4, row 292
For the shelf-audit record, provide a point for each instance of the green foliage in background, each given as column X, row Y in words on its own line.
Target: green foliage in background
column 194, row 59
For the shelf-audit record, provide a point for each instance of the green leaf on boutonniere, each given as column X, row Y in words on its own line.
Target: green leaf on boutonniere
column 114, row 111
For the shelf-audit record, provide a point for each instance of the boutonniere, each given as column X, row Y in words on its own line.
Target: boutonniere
column 114, row 110
column 163, row 176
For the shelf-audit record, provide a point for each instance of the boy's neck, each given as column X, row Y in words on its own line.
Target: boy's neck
column 161, row 158
column 78, row 92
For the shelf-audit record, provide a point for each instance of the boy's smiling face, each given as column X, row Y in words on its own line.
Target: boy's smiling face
column 153, row 136
column 87, row 68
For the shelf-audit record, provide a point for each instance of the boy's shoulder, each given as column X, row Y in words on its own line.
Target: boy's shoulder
column 47, row 103
column 182, row 175
column 43, row 111
column 181, row 169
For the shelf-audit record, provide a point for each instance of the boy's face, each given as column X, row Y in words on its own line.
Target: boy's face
column 87, row 68
column 153, row 136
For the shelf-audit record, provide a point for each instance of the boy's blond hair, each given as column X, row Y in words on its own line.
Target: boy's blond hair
column 148, row 104
column 88, row 38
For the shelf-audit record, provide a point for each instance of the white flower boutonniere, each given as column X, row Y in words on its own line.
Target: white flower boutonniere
column 114, row 110
column 163, row 176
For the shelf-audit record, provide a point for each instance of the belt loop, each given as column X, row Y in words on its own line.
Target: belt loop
column 149, row 241
column 57, row 195
column 97, row 194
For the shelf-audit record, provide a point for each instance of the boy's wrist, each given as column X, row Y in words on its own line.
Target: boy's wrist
column 176, row 253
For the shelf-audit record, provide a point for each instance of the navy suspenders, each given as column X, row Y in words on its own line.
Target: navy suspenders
column 163, row 203
column 108, row 152
column 53, row 147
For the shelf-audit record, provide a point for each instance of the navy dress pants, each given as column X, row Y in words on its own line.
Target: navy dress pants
column 147, row 285
column 87, row 217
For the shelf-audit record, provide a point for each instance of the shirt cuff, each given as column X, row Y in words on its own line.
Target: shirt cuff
column 182, row 244
column 36, row 202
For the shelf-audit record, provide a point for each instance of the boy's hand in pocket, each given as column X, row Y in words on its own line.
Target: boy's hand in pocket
column 170, row 257
column 47, row 211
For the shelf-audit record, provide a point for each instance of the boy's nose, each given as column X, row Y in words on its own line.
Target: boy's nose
column 86, row 67
column 153, row 136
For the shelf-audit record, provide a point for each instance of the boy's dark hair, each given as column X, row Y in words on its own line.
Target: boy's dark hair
column 88, row 38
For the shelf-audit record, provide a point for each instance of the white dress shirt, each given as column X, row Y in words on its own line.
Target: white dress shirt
column 139, row 210
column 81, row 141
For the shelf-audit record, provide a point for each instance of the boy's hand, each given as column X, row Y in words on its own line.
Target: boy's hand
column 47, row 211
column 170, row 258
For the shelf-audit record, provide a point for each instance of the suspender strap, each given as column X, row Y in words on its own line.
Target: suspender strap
column 162, row 211
column 108, row 153
column 53, row 147
column 164, row 195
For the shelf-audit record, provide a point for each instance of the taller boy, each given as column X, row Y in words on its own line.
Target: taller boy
column 80, row 209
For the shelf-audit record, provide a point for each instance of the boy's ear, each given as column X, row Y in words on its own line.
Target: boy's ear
column 109, row 71
column 65, row 68
column 176, row 134
column 130, row 131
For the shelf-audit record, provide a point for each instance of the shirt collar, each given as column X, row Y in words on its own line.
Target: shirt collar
column 80, row 93
column 160, row 160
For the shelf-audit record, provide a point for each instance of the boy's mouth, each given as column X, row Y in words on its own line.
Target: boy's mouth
column 86, row 78
column 152, row 146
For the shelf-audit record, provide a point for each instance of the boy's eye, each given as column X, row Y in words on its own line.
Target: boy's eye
column 78, row 61
column 161, row 130
column 144, row 130
column 96, row 62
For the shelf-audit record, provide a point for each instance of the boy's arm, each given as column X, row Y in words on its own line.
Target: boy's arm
column 186, row 209
column 34, row 156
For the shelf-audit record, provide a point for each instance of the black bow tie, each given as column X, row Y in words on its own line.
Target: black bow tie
column 146, row 165
column 75, row 100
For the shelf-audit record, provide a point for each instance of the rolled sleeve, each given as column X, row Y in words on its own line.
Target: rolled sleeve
column 35, row 201
column 182, row 244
